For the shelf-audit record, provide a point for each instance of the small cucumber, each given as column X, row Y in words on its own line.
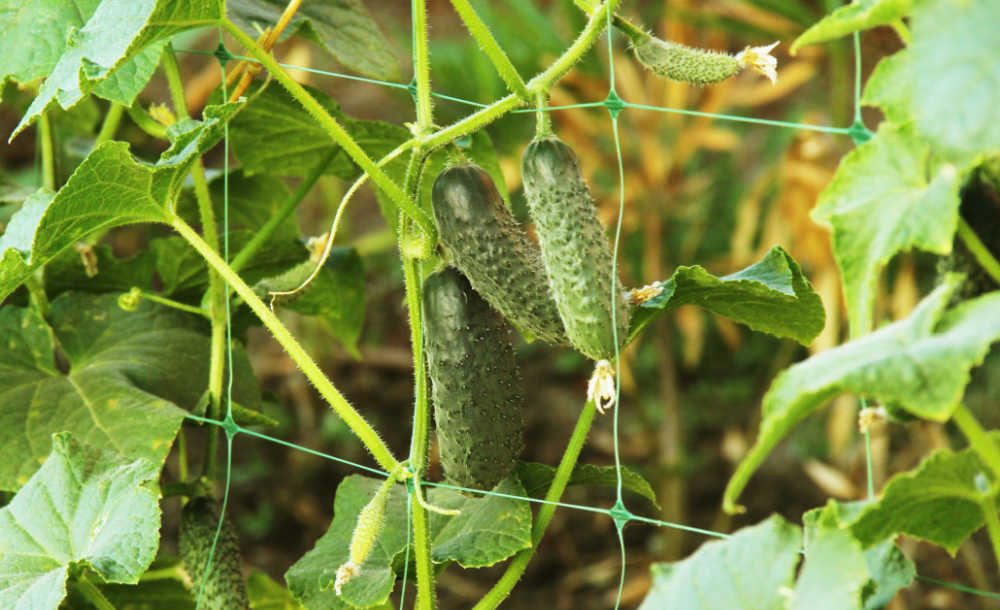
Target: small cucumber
column 683, row 63
column 224, row 587
column 475, row 383
column 574, row 248
column 487, row 244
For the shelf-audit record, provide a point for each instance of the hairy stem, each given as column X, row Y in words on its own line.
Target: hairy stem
column 422, row 67
column 491, row 48
column 110, row 125
column 979, row 250
column 516, row 568
column 309, row 368
column 989, row 507
column 335, row 130
column 634, row 33
column 145, row 122
column 422, row 557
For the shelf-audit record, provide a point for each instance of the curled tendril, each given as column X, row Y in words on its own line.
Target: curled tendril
column 601, row 387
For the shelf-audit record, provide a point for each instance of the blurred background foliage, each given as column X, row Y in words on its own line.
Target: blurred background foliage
column 697, row 191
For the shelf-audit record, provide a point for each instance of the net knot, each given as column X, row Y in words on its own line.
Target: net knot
column 614, row 104
column 222, row 54
column 859, row 133
column 620, row 514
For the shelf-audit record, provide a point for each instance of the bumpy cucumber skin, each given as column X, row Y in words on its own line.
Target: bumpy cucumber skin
column 574, row 247
column 487, row 244
column 475, row 383
column 224, row 588
column 686, row 64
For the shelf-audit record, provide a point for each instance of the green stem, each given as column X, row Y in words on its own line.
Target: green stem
column 979, row 439
column 110, row 125
column 216, row 288
column 543, row 125
column 989, row 507
column 422, row 67
column 36, row 292
column 902, row 31
column 173, row 72
column 309, row 368
column 979, row 250
column 91, row 593
column 582, row 44
column 289, row 205
column 48, row 152
column 142, row 119
column 174, row 304
column 491, row 48
column 422, row 557
column 634, row 33
column 516, row 568
column 334, row 129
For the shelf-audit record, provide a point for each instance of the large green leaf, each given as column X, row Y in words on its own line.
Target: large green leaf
column 920, row 363
column 751, row 570
column 489, row 529
column 888, row 195
column 84, row 506
column 36, row 33
column 110, row 188
column 296, row 142
column 70, row 271
column 858, row 15
column 253, row 201
column 834, row 573
column 536, row 479
column 888, row 568
column 336, row 294
column 116, row 31
column 771, row 296
column 342, row 27
column 939, row 501
column 130, row 374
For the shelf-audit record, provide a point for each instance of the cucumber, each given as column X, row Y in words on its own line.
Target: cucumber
column 574, row 248
column 487, row 244
column 224, row 587
column 683, row 63
column 475, row 383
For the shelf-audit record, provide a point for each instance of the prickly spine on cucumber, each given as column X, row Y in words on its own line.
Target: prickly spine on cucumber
column 224, row 586
column 488, row 245
column 475, row 383
column 574, row 248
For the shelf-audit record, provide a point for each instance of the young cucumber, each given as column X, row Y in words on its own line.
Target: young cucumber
column 574, row 248
column 487, row 244
column 475, row 381
column 224, row 586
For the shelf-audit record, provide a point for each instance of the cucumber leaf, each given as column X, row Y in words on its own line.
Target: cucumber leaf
column 750, row 570
column 834, row 574
column 84, row 506
column 944, row 79
column 110, row 188
column 920, row 363
column 343, row 27
column 115, row 32
column 771, row 296
column 858, row 15
column 913, row 502
column 148, row 364
column 888, row 195
column 536, row 479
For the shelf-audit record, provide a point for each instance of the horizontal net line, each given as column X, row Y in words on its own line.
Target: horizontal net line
column 625, row 104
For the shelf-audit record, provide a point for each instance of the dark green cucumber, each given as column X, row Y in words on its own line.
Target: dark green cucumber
column 574, row 248
column 487, row 244
column 224, row 587
column 475, row 383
